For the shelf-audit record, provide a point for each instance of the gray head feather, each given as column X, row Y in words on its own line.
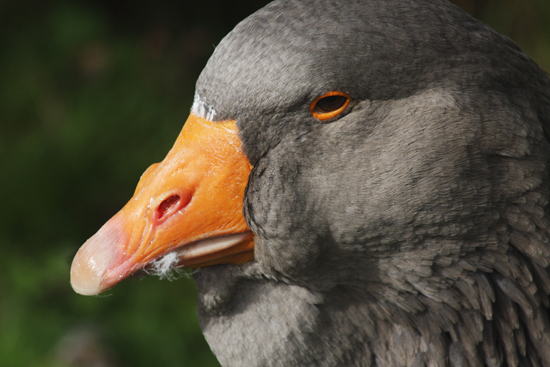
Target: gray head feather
column 413, row 229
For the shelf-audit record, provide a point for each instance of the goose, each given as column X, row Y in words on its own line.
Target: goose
column 359, row 183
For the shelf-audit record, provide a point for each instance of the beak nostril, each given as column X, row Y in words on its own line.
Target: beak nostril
column 169, row 206
column 169, row 202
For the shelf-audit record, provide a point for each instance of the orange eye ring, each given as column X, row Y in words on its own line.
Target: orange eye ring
column 329, row 105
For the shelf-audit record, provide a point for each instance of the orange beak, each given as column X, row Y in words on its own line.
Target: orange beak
column 188, row 207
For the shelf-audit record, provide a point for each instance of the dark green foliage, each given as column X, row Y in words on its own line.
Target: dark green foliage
column 91, row 93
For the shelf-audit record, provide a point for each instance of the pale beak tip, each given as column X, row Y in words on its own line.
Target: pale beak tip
column 93, row 259
column 86, row 274
column 83, row 280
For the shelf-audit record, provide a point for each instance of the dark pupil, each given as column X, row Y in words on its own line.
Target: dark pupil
column 329, row 104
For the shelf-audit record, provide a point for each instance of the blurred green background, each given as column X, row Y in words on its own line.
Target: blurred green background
column 91, row 94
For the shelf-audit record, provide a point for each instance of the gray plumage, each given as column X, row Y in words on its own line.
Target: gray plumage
column 413, row 229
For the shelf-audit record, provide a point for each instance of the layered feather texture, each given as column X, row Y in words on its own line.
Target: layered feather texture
column 411, row 230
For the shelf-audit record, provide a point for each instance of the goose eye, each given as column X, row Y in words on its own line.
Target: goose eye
column 329, row 105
